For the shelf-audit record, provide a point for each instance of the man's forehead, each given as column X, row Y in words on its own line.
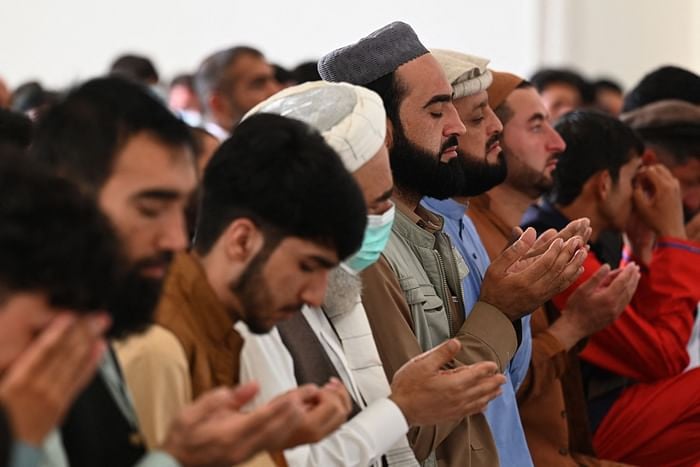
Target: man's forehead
column 424, row 76
column 526, row 103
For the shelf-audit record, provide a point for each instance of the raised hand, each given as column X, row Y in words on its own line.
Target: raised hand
column 428, row 394
column 517, row 285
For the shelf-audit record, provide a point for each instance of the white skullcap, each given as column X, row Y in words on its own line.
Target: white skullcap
column 351, row 118
column 466, row 73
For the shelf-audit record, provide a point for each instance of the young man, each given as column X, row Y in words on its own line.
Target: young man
column 229, row 83
column 51, row 299
column 641, row 405
column 127, row 151
column 336, row 339
column 413, row 294
column 264, row 246
column 552, row 388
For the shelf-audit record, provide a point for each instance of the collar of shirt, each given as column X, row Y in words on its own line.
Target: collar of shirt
column 446, row 207
column 187, row 283
column 420, row 216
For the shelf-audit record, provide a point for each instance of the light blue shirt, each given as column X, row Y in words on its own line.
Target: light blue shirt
column 502, row 413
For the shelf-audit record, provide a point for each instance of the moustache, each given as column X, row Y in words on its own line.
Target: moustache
column 450, row 142
column 160, row 260
column 493, row 140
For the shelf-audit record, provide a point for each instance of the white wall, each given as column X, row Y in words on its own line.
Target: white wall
column 63, row 41
column 621, row 38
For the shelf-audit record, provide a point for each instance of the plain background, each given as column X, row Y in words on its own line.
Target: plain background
column 62, row 42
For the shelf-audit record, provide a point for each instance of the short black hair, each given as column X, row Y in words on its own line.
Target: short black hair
column 212, row 75
column 606, row 84
column 134, row 67
column 679, row 142
column 306, row 71
column 32, row 96
column 281, row 174
column 53, row 239
column 594, row 142
column 81, row 136
column 547, row 76
column 15, row 129
column 184, row 79
column 666, row 82
column 392, row 92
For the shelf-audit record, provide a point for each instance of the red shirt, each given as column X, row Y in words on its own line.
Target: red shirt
column 647, row 342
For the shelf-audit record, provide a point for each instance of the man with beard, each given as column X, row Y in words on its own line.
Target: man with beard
column 335, row 339
column 643, row 406
column 484, row 167
column 413, row 294
column 274, row 219
column 531, row 147
column 129, row 153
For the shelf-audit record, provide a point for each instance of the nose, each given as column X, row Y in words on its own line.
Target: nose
column 315, row 290
column 493, row 125
column 555, row 142
column 173, row 234
column 453, row 124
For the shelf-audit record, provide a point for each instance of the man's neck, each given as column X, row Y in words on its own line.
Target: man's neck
column 509, row 204
column 407, row 198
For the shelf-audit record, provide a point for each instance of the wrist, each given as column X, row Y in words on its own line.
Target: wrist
column 567, row 332
column 401, row 404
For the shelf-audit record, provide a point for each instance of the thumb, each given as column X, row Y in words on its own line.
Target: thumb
column 243, row 394
column 595, row 280
column 434, row 359
column 513, row 253
column 209, row 403
column 642, row 202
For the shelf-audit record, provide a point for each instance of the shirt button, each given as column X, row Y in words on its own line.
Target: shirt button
column 563, row 451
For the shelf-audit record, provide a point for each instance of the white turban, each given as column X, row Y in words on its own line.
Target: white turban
column 466, row 73
column 351, row 118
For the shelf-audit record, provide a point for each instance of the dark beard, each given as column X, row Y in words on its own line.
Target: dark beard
column 421, row 172
column 253, row 293
column 133, row 301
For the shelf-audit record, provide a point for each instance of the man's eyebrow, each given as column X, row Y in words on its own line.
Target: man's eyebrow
column 386, row 195
column 537, row 116
column 438, row 98
column 157, row 194
column 323, row 261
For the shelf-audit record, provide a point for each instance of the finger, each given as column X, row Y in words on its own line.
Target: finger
column 335, row 385
column 513, row 253
column 595, row 280
column 574, row 228
column 544, row 263
column 242, row 394
column 35, row 359
column 542, row 242
column 208, row 404
column 437, row 357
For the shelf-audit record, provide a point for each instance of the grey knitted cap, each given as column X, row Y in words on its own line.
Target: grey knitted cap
column 372, row 57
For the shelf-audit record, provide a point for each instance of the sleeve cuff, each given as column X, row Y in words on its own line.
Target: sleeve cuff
column 492, row 336
column 24, row 455
column 384, row 422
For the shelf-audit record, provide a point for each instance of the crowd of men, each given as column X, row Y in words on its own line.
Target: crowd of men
column 394, row 257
